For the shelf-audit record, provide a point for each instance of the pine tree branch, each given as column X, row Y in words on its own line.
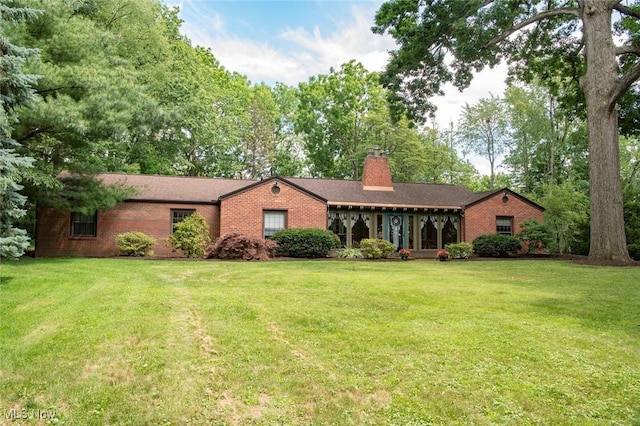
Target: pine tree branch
column 55, row 89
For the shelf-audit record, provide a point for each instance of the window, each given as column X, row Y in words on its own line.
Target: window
column 359, row 228
column 274, row 221
column 428, row 232
column 178, row 216
column 337, row 223
column 84, row 225
column 449, row 230
column 504, row 225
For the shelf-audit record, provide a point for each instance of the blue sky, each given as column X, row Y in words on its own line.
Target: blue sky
column 291, row 40
column 285, row 41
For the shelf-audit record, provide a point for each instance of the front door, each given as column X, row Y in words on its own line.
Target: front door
column 396, row 230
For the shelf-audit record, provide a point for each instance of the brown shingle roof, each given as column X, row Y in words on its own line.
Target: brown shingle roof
column 185, row 189
column 176, row 188
column 419, row 195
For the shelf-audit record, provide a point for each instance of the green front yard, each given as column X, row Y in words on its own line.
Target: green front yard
column 120, row 341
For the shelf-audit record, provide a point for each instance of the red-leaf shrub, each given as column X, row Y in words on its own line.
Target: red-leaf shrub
column 240, row 246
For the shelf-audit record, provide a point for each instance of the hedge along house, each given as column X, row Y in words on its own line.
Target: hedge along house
column 421, row 217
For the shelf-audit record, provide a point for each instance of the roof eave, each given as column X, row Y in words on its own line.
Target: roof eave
column 392, row 206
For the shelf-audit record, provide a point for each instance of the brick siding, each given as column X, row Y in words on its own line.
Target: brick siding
column 480, row 218
column 243, row 212
column 53, row 228
column 376, row 173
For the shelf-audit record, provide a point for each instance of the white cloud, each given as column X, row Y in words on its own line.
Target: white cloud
column 301, row 53
column 487, row 82
column 295, row 54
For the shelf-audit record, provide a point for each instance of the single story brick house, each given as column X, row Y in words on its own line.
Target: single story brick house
column 418, row 216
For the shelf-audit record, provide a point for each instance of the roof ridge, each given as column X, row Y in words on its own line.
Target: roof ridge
column 174, row 176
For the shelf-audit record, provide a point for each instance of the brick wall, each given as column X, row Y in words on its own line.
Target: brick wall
column 480, row 218
column 243, row 212
column 53, row 228
column 376, row 173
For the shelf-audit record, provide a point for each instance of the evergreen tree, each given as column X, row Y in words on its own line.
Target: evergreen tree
column 15, row 90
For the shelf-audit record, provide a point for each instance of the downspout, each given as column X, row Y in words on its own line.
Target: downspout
column 463, row 227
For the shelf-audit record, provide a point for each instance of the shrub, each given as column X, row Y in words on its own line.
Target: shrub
column 496, row 245
column 135, row 243
column 191, row 236
column 305, row 242
column 443, row 255
column 459, row 250
column 351, row 253
column 537, row 236
column 373, row 248
column 239, row 246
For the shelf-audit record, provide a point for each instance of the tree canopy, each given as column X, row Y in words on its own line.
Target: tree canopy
column 121, row 90
column 15, row 90
column 560, row 42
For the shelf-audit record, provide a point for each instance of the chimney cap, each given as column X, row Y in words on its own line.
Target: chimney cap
column 374, row 151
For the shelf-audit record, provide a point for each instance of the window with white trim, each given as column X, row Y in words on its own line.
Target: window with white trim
column 504, row 225
column 274, row 221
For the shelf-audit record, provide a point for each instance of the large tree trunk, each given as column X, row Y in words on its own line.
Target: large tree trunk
column 608, row 240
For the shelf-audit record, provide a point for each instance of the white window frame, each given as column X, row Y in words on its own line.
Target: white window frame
column 273, row 221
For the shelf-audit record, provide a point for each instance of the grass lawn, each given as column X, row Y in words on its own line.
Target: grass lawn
column 120, row 341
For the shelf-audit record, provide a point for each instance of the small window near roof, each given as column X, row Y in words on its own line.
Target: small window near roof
column 504, row 225
column 274, row 221
column 178, row 216
column 84, row 225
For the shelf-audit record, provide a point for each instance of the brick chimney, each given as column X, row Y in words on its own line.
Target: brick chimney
column 376, row 174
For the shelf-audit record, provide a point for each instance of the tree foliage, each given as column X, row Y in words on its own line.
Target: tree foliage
column 191, row 236
column 135, row 243
column 496, row 245
column 447, row 41
column 538, row 237
column 15, row 91
column 121, row 90
column 332, row 115
column 239, row 246
column 85, row 194
column 305, row 242
column 483, row 131
column 567, row 213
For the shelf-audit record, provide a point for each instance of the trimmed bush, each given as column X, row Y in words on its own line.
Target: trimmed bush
column 537, row 236
column 191, row 236
column 350, row 253
column 135, row 243
column 239, row 246
column 305, row 242
column 459, row 250
column 373, row 248
column 496, row 245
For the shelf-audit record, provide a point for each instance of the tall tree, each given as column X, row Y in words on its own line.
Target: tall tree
column 567, row 206
column 537, row 38
column 542, row 135
column 332, row 113
column 15, row 90
column 483, row 131
column 289, row 158
column 630, row 162
column 258, row 146
column 211, row 106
